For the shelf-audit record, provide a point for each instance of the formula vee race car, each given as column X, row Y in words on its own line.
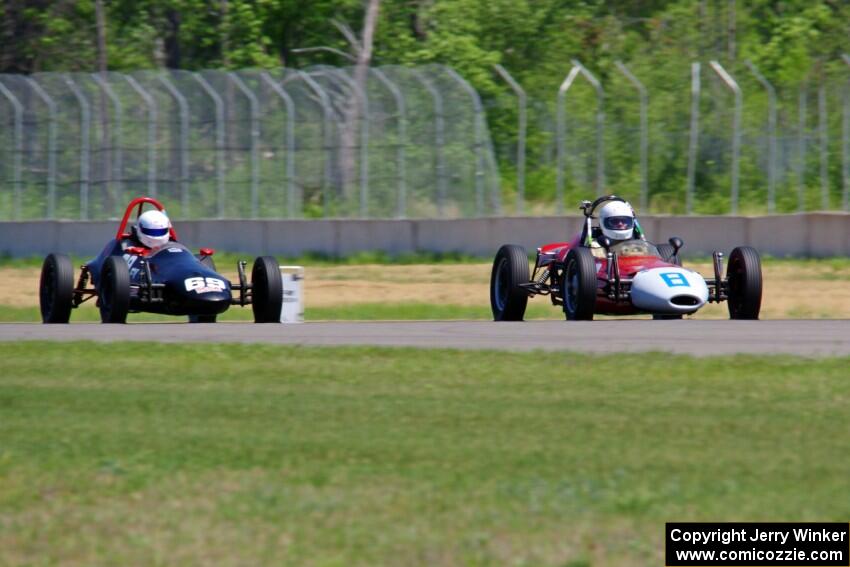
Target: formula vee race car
column 127, row 277
column 592, row 275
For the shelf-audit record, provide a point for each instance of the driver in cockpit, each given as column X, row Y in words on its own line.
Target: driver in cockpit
column 617, row 221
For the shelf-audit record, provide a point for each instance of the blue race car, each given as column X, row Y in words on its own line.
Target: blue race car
column 127, row 277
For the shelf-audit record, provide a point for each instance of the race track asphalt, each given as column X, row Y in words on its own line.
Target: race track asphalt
column 702, row 338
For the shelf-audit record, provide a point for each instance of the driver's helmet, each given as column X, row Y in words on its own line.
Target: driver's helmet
column 617, row 220
column 153, row 229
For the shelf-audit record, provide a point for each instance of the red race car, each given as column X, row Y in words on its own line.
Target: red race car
column 593, row 274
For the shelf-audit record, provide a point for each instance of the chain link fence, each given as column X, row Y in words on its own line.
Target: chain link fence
column 278, row 143
column 416, row 142
column 705, row 139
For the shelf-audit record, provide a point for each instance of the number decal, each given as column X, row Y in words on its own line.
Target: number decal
column 204, row 285
column 675, row 279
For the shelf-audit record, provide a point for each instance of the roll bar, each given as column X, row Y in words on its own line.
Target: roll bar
column 140, row 201
column 588, row 207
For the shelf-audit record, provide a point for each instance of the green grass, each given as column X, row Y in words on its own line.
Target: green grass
column 358, row 312
column 207, row 454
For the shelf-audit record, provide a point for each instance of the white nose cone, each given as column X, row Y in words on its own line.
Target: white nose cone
column 669, row 290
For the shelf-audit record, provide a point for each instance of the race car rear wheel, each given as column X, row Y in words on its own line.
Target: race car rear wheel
column 56, row 289
column 114, row 292
column 510, row 268
column 266, row 290
column 209, row 263
column 744, row 283
column 668, row 254
column 578, row 287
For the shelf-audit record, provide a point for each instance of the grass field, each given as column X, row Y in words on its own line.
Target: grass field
column 246, row 455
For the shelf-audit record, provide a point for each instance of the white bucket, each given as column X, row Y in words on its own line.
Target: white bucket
column 292, row 307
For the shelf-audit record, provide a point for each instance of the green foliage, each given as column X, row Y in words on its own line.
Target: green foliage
column 535, row 39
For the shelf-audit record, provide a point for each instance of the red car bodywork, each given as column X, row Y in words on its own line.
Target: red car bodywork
column 628, row 266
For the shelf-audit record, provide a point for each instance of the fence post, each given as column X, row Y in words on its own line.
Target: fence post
column 845, row 143
column 18, row 109
column 771, row 135
column 254, row 106
column 153, row 113
column 183, row 109
column 117, row 165
column 85, row 149
column 600, row 126
column 559, row 139
column 644, row 133
column 364, row 135
column 365, row 117
column 290, row 143
column 51, row 144
column 802, row 112
column 479, row 124
column 522, row 127
column 823, row 149
column 693, row 137
column 401, row 171
column 442, row 188
column 219, row 138
column 327, row 117
column 736, row 130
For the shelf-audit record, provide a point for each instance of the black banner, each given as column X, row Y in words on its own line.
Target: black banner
column 759, row 544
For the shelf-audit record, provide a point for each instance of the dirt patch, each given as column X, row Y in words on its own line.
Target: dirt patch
column 19, row 286
column 812, row 291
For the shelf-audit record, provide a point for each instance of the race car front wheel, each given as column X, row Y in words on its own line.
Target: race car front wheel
column 579, row 285
column 266, row 290
column 744, row 284
column 56, row 289
column 114, row 292
column 510, row 268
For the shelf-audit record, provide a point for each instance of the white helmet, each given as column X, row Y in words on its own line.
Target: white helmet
column 153, row 229
column 617, row 220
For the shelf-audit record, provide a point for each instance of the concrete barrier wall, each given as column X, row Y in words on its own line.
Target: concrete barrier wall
column 809, row 234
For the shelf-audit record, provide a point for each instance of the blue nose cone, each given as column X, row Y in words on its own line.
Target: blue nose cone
column 203, row 294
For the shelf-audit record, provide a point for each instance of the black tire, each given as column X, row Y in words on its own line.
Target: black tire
column 668, row 254
column 209, row 263
column 743, row 276
column 510, row 268
column 579, row 285
column 266, row 290
column 114, row 290
column 56, row 289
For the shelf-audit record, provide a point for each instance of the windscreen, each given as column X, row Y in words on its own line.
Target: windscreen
column 635, row 247
column 169, row 249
